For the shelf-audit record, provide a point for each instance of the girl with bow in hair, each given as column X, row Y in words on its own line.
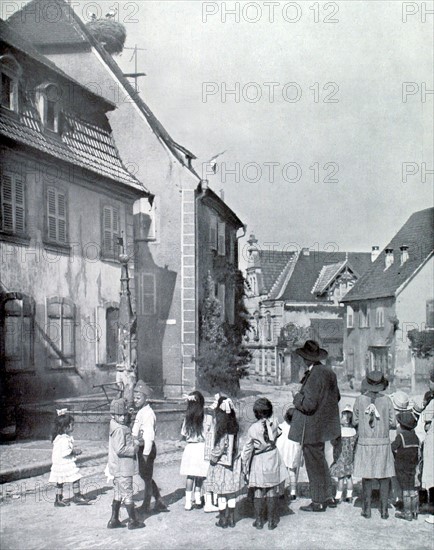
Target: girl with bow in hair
column 262, row 464
column 374, row 416
column 224, row 473
column 64, row 468
column 193, row 463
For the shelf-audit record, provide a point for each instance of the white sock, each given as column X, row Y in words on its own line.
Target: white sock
column 222, row 503
column 197, row 497
column 349, row 493
column 188, row 495
column 231, row 503
column 338, row 494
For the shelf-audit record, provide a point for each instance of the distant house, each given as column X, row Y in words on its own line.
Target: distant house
column 187, row 231
column 293, row 296
column 66, row 198
column 393, row 297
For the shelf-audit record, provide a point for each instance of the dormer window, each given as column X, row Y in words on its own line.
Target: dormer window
column 10, row 74
column 49, row 106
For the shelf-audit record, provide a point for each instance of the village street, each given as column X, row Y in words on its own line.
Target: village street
column 30, row 521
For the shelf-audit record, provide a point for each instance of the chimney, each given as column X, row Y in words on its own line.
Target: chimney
column 389, row 258
column 253, row 249
column 305, row 251
column 404, row 253
column 375, row 252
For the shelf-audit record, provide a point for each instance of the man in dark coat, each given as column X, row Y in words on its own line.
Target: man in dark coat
column 315, row 421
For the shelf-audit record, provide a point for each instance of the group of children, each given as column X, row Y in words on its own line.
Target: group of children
column 217, row 469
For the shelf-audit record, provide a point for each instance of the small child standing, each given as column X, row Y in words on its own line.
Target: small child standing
column 406, row 452
column 224, row 473
column 144, row 429
column 64, row 468
column 262, row 465
column 343, row 456
column 290, row 451
column 122, row 464
column 193, row 463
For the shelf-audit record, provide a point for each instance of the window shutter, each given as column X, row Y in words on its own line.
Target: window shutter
column 107, row 228
column 213, row 233
column 111, row 230
column 56, row 215
column 51, row 206
column 19, row 205
column 221, row 238
column 147, row 293
column 7, row 203
column 61, row 217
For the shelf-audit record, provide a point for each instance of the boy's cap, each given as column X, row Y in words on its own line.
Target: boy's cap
column 119, row 406
column 347, row 409
column 142, row 387
column 407, row 420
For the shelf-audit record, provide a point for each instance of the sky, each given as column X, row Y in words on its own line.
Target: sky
column 328, row 131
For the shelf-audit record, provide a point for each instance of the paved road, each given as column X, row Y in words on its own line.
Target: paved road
column 30, row 521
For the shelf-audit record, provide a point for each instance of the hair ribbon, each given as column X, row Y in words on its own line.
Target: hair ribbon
column 61, row 412
column 227, row 406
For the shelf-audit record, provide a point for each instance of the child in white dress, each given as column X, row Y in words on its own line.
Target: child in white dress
column 290, row 451
column 64, row 468
column 193, row 463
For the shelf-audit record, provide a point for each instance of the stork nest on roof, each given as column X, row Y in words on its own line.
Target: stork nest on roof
column 110, row 33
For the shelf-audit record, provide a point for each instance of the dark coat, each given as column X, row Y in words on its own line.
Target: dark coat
column 317, row 409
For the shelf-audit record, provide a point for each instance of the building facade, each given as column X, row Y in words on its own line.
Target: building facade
column 394, row 297
column 170, row 249
column 293, row 296
column 66, row 200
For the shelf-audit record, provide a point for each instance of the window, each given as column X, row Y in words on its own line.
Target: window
column 61, row 314
column 221, row 296
column 12, row 198
column 56, row 216
column 350, row 317
column 112, row 334
column 213, row 233
column 110, row 232
column 48, row 98
column 17, row 315
column 154, row 215
column 10, row 73
column 232, row 245
column 221, row 250
column 379, row 317
column 269, row 326
column 363, row 317
column 147, row 294
column 430, row 314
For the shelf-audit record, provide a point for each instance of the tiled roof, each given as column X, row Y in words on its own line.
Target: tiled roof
column 69, row 29
column 418, row 234
column 308, row 268
column 32, row 21
column 272, row 264
column 326, row 276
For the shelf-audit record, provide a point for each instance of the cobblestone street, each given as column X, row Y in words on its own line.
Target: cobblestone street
column 30, row 521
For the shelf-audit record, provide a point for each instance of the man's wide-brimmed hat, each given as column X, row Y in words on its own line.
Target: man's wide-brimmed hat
column 400, row 400
column 407, row 420
column 312, row 351
column 375, row 381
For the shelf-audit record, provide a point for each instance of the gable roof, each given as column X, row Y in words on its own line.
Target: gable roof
column 82, row 143
column 272, row 263
column 69, row 30
column 309, row 267
column 418, row 234
column 326, row 276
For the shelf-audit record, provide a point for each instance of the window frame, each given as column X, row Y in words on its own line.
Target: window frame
column 379, row 317
column 14, row 176
column 56, row 361
column 221, row 238
column 213, row 232
column 364, row 317
column 58, row 190
column 14, row 74
column 27, row 362
column 42, row 102
column 111, row 255
column 350, row 315
column 141, row 310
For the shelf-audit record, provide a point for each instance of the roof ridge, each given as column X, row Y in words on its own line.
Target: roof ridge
column 284, row 276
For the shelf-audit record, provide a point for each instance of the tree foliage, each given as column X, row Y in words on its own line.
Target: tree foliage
column 422, row 342
column 222, row 358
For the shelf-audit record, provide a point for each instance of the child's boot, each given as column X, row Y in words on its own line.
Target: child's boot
column 407, row 512
column 222, row 522
column 209, row 506
column 230, row 517
column 272, row 513
column 59, row 502
column 188, row 505
column 415, row 504
column 259, row 520
column 114, row 522
column 133, row 523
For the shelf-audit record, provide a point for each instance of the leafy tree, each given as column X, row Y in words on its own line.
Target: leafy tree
column 222, row 358
column 422, row 342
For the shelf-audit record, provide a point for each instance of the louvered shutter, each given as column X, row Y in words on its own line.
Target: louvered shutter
column 51, row 206
column 7, row 203
column 19, row 205
column 61, row 217
column 107, row 229
column 56, row 215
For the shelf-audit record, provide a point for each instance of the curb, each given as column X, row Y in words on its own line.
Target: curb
column 40, row 468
